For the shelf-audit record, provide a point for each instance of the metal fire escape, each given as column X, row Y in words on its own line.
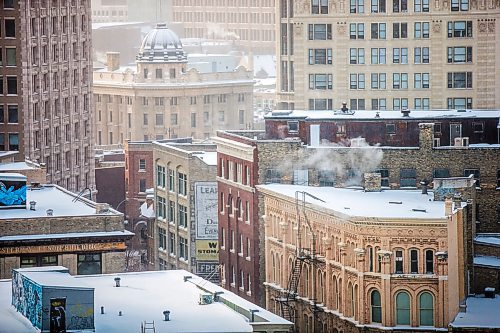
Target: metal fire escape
column 302, row 255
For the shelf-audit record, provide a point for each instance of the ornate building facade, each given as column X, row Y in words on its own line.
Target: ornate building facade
column 160, row 98
column 336, row 266
column 379, row 54
column 45, row 95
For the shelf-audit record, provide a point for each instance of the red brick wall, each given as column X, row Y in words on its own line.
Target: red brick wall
column 110, row 184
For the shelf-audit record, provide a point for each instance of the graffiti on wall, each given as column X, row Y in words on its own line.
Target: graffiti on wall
column 82, row 317
column 27, row 298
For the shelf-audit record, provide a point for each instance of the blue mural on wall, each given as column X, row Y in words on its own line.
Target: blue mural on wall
column 27, row 298
column 12, row 195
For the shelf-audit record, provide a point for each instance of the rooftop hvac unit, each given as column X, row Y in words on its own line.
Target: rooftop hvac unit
column 206, row 299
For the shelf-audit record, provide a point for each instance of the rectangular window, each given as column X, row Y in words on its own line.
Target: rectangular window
column 89, row 264
column 193, row 120
column 413, row 261
column 320, row 31
column 183, row 216
column 171, row 178
column 162, row 208
column 441, row 173
column 142, row 164
column 408, row 178
column 378, row 6
column 421, row 55
column 173, row 119
column 326, row 178
column 159, row 119
column 421, row 30
column 398, row 261
column 460, row 103
column 400, row 80
column 13, row 115
column 12, row 85
column 421, row 6
column 357, row 103
column 182, row 183
column 159, row 73
column 378, row 81
column 10, row 54
column 378, row 31
column 460, row 54
column 399, row 6
column 379, row 104
column 399, row 30
column 171, row 243
column 160, row 176
column 321, row 104
column 378, row 56
column 357, row 6
column 320, row 56
column 357, row 81
column 459, row 29
column 319, row 7
column 429, row 262
column 10, row 28
column 357, row 56
column 459, row 5
column 14, row 141
column 460, row 80
column 162, row 239
column 421, row 80
column 142, row 185
column 400, row 55
column 422, row 103
column 320, row 81
column 357, row 31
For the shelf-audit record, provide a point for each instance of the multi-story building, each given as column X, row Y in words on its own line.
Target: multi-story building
column 350, row 260
column 249, row 24
column 379, row 55
column 46, row 225
column 186, row 234
column 109, row 11
column 262, row 158
column 161, row 98
column 45, row 95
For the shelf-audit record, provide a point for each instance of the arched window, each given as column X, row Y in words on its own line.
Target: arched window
column 426, row 309
column 376, row 307
column 429, row 262
column 402, row 308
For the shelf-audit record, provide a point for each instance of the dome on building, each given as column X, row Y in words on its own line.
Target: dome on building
column 161, row 45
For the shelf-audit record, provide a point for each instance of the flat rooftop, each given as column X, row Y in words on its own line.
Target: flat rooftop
column 54, row 197
column 480, row 313
column 404, row 204
column 391, row 115
column 144, row 296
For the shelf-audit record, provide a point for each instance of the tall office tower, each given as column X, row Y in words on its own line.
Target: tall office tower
column 248, row 23
column 45, row 90
column 388, row 54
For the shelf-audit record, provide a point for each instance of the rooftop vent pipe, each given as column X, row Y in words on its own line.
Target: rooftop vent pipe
column 117, row 281
column 33, row 205
column 166, row 313
column 344, row 107
column 50, row 212
column 425, row 185
column 405, row 112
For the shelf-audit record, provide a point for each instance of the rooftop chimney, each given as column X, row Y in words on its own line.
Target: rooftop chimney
column 166, row 313
column 425, row 185
column 112, row 61
column 372, row 182
column 33, row 205
column 117, row 281
column 344, row 108
column 50, row 212
column 405, row 112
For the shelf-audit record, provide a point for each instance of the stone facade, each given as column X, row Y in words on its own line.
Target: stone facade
column 50, row 110
column 329, row 53
column 179, row 169
column 345, row 259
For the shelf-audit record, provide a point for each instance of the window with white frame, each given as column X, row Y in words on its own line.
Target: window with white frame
column 183, row 248
column 357, row 104
column 421, row 80
column 357, row 81
column 422, row 103
column 356, row 6
column 421, row 6
column 459, row 29
column 399, row 30
column 459, row 54
column 356, row 31
column 319, row 6
column 421, row 30
column 321, row 104
column 171, row 180
column 400, row 55
column 182, row 178
column 160, row 176
column 421, row 55
column 171, row 243
column 399, row 103
column 398, row 262
column 378, row 81
column 320, row 31
column 320, row 56
column 399, row 6
column 379, row 104
column 460, row 80
column 459, row 5
column 378, row 31
column 356, row 56
column 378, row 56
column 183, row 216
column 162, row 239
column 400, row 81
column 378, row 6
column 460, row 103
column 320, row 81
column 162, row 207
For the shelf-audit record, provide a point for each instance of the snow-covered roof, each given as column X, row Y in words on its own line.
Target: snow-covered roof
column 488, row 261
column 95, row 234
column 147, row 211
column 403, row 204
column 481, row 313
column 488, row 239
column 56, row 198
column 209, row 157
column 145, row 295
column 370, row 115
column 16, row 166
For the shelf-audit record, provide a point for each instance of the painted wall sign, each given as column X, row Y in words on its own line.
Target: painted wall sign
column 12, row 192
column 58, row 315
column 207, row 250
column 206, row 210
column 63, row 248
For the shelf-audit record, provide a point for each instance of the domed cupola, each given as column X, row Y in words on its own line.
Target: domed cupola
column 161, row 45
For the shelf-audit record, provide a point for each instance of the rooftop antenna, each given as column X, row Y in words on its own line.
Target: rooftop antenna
column 81, row 193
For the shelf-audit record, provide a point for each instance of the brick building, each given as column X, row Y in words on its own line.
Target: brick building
column 335, row 265
column 110, row 178
column 291, row 161
column 45, row 95
column 59, row 228
column 186, row 197
column 387, row 55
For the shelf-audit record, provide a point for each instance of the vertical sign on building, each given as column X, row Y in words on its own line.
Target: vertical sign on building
column 207, row 247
